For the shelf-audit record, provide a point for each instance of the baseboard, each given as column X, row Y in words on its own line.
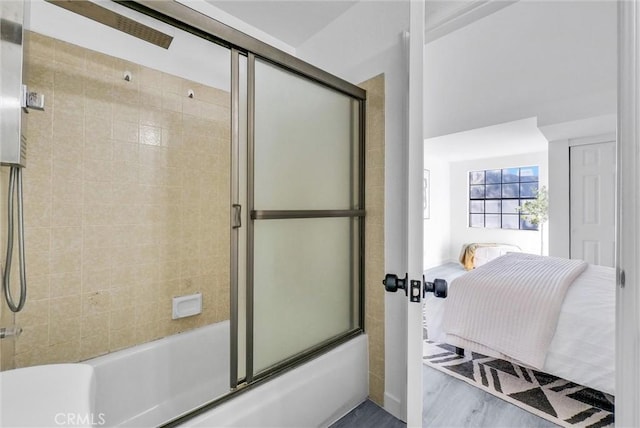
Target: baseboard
column 393, row 405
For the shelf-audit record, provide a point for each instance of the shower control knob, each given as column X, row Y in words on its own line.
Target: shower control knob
column 13, row 331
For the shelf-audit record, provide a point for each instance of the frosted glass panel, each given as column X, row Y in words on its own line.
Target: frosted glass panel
column 303, row 288
column 305, row 143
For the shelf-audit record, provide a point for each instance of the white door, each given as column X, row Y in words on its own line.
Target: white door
column 415, row 214
column 593, row 190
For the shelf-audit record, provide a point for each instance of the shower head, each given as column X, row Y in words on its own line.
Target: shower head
column 115, row 20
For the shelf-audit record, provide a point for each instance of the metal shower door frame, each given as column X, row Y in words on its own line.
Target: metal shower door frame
column 183, row 17
column 235, row 200
column 254, row 215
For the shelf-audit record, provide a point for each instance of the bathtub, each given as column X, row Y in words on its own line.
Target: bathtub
column 149, row 384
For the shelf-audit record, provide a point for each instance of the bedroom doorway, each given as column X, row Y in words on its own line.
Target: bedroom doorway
column 515, row 84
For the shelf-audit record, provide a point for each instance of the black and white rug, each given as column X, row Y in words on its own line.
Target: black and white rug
column 557, row 400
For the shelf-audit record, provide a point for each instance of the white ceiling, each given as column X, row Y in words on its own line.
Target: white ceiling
column 555, row 60
column 507, row 139
column 446, row 16
column 292, row 21
column 296, row 21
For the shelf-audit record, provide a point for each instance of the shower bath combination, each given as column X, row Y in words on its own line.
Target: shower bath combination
column 110, row 253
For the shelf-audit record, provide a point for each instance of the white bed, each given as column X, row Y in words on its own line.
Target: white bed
column 582, row 349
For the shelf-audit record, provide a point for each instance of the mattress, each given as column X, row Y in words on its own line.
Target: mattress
column 583, row 347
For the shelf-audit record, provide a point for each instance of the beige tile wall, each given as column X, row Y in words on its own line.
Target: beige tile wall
column 126, row 204
column 374, row 235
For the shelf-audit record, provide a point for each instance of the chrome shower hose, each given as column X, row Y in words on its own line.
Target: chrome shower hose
column 15, row 179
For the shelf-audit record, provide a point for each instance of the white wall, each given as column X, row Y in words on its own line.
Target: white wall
column 461, row 233
column 437, row 228
column 552, row 59
column 360, row 44
column 559, row 208
column 511, row 140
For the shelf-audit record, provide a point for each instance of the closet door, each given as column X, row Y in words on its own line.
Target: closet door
column 593, row 190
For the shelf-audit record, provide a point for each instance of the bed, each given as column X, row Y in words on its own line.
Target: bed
column 581, row 344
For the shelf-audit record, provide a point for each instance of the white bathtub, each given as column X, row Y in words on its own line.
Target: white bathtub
column 149, row 384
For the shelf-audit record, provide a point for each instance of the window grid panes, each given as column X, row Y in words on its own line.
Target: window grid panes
column 496, row 194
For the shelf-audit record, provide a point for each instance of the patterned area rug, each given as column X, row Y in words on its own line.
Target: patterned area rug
column 557, row 400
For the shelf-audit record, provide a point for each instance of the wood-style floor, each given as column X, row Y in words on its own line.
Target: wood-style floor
column 448, row 403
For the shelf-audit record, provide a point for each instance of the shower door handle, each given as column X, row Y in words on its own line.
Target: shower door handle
column 236, row 216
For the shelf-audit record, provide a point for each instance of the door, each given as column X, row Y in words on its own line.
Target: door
column 415, row 222
column 592, row 202
column 305, row 206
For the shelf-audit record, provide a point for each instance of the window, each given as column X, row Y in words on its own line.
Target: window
column 496, row 194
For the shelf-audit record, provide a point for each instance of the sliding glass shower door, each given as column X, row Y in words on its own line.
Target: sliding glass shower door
column 305, row 202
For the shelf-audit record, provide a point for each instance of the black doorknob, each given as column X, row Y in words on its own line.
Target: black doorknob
column 392, row 283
